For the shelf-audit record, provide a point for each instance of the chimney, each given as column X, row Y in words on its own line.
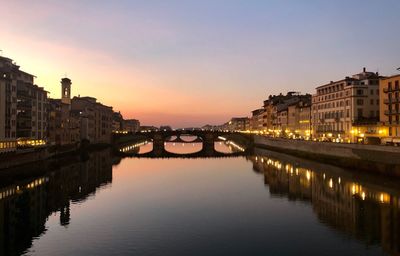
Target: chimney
column 364, row 69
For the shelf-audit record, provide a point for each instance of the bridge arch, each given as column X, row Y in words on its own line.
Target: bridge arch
column 160, row 139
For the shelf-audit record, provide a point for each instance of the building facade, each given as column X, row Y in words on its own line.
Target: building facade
column 95, row 119
column 256, row 120
column 131, row 125
column 24, row 107
column 299, row 119
column 8, row 106
column 63, row 124
column 389, row 109
column 239, row 124
column 342, row 109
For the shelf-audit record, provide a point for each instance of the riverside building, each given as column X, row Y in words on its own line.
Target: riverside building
column 23, row 108
column 64, row 125
column 347, row 110
column 389, row 109
column 96, row 119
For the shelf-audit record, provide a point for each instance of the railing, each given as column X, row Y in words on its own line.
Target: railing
column 391, row 101
column 392, row 112
column 386, row 90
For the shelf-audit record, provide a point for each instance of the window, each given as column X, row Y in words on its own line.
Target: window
column 372, row 102
column 377, row 102
column 348, row 113
column 359, row 112
column 360, row 92
column 360, row 102
column 372, row 92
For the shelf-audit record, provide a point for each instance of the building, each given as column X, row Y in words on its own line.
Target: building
column 281, row 115
column 31, row 112
column 132, row 125
column 23, row 108
column 117, row 123
column 8, row 105
column 239, row 124
column 343, row 109
column 299, row 118
column 147, row 128
column 63, row 124
column 389, row 109
column 95, row 119
column 256, row 120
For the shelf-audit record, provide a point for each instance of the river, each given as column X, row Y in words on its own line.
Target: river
column 263, row 204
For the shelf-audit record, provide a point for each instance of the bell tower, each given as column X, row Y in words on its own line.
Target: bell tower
column 66, row 91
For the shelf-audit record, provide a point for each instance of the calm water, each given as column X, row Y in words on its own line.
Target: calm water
column 266, row 204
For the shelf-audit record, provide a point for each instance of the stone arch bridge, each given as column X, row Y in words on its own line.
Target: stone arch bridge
column 208, row 138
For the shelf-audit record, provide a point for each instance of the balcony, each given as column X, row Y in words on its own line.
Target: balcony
column 386, row 90
column 365, row 121
column 391, row 101
column 392, row 112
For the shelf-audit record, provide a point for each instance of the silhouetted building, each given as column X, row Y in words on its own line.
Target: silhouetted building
column 63, row 124
column 23, row 108
column 95, row 118
column 132, row 125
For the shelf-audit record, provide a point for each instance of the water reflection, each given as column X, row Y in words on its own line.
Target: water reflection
column 366, row 208
column 26, row 204
column 138, row 148
column 185, row 144
column 183, row 147
column 166, row 207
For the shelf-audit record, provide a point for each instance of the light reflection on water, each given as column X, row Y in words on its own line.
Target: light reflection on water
column 268, row 203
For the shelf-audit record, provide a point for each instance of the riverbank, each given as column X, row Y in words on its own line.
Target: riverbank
column 35, row 156
column 372, row 158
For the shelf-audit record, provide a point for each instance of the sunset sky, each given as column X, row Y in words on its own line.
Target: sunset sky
column 190, row 63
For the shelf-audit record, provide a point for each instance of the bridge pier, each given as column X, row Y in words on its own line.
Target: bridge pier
column 158, row 145
column 208, row 144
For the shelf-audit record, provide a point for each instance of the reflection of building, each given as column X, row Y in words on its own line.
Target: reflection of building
column 25, row 207
column 389, row 108
column 342, row 108
column 363, row 211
